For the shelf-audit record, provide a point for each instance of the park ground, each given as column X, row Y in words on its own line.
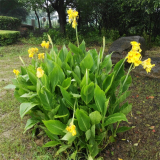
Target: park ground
column 142, row 142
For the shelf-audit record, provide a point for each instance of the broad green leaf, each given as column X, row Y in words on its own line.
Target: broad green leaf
column 82, row 46
column 62, row 148
column 107, row 83
column 67, row 96
column 83, row 120
column 23, row 70
column 88, row 134
column 85, row 79
column 32, row 74
column 46, row 98
column 76, row 78
column 123, row 129
column 75, row 49
column 86, row 63
column 93, row 130
column 126, row 109
column 55, row 126
column 107, row 62
column 51, row 144
column 121, row 99
column 29, row 95
column 73, row 155
column 10, row 86
column 93, row 147
column 106, row 107
column 94, row 55
column 53, row 112
column 53, row 137
column 76, row 95
column 45, row 81
column 30, row 123
column 62, row 55
column 119, row 70
column 125, row 83
column 60, row 116
column 87, row 93
column 25, row 107
column 68, row 137
column 49, row 65
column 66, row 83
column 56, row 76
column 100, row 99
column 77, row 72
column 95, row 117
column 116, row 117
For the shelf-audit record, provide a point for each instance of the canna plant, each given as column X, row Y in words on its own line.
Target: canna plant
column 76, row 96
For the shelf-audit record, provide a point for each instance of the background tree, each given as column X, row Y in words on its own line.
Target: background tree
column 13, row 8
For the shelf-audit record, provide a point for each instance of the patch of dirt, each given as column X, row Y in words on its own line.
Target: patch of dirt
column 142, row 141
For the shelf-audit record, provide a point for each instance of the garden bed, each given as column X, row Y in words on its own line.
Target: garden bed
column 141, row 142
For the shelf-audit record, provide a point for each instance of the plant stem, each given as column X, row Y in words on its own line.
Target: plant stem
column 130, row 68
column 116, row 128
column 77, row 37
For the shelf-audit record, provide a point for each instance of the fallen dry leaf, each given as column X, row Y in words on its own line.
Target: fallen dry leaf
column 151, row 97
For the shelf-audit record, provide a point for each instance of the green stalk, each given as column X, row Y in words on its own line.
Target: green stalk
column 73, row 112
column 116, row 128
column 130, row 68
column 77, row 37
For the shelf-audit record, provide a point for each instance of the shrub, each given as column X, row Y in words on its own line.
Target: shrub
column 8, row 37
column 9, row 23
column 77, row 97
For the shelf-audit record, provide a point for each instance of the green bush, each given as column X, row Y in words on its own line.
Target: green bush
column 9, row 23
column 8, row 37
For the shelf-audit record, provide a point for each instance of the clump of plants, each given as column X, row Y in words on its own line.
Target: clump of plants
column 76, row 96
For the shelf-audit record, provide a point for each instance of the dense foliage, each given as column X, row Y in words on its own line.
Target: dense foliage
column 9, row 23
column 13, row 8
column 76, row 97
column 8, row 37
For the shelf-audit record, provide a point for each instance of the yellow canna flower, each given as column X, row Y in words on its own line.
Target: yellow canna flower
column 16, row 72
column 74, row 23
column 134, row 55
column 72, row 15
column 68, row 129
column 147, row 65
column 40, row 72
column 71, row 129
column 41, row 56
column 47, row 45
column 31, row 55
column 120, row 159
column 43, row 44
column 32, row 51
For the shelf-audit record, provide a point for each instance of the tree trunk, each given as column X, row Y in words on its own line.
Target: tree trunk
column 38, row 19
column 62, row 19
column 49, row 19
column 59, row 6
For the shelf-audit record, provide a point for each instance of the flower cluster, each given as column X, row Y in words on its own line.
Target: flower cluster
column 40, row 72
column 72, row 15
column 134, row 57
column 16, row 72
column 147, row 65
column 45, row 44
column 41, row 56
column 32, row 51
column 72, row 129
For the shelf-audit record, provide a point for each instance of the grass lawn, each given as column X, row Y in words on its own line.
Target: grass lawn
column 141, row 142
